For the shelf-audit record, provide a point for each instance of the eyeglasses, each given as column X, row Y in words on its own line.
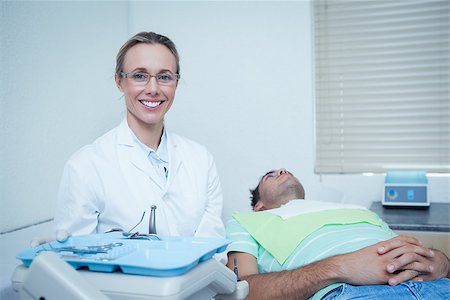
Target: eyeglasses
column 142, row 78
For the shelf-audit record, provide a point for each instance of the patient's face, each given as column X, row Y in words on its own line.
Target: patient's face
column 278, row 187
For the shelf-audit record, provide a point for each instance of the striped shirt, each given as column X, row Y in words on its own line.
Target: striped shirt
column 327, row 241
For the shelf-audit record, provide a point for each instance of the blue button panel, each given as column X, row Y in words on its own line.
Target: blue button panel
column 405, row 194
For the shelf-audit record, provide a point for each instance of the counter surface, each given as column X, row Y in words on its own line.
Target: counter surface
column 434, row 218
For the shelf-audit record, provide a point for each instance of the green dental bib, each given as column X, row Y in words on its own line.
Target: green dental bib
column 280, row 237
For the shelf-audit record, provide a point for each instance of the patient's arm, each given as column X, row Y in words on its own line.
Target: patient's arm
column 361, row 267
column 428, row 264
column 300, row 283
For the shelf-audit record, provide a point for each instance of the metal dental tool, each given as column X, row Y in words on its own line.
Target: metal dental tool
column 151, row 227
column 152, row 220
column 82, row 252
column 131, row 235
column 142, row 218
column 235, row 269
column 121, row 230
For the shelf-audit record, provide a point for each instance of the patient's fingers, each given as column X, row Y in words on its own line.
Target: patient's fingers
column 399, row 241
column 408, row 253
column 406, row 259
column 403, row 276
column 423, row 267
column 417, row 279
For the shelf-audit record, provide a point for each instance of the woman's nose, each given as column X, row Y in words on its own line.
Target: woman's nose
column 152, row 86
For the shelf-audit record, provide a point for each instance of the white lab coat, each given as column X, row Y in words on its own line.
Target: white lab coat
column 110, row 183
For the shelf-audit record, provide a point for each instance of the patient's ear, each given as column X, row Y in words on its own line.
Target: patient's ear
column 259, row 206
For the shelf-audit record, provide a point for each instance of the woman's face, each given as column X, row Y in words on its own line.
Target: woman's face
column 147, row 103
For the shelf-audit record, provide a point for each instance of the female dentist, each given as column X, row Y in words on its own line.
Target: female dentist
column 113, row 181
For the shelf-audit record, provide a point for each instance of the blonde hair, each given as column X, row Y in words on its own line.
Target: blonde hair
column 148, row 38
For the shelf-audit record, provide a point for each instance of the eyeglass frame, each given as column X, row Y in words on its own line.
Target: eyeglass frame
column 143, row 83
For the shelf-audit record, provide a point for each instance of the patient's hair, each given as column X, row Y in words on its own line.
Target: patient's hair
column 254, row 197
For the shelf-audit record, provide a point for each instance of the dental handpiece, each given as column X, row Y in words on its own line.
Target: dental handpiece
column 152, row 220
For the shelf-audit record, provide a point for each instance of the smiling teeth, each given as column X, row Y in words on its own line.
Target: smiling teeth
column 151, row 104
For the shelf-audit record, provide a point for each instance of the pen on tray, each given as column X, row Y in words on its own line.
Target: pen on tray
column 235, row 268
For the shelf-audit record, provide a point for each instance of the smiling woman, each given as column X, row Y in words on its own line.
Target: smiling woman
column 112, row 182
column 148, row 100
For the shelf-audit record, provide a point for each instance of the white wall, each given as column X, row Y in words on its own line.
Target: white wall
column 57, row 93
column 246, row 88
column 246, row 93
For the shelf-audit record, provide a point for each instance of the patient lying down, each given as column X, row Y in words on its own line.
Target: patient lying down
column 291, row 248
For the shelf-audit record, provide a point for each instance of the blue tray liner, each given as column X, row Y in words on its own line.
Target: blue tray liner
column 172, row 256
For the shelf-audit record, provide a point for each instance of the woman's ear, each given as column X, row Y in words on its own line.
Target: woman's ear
column 259, row 206
column 118, row 82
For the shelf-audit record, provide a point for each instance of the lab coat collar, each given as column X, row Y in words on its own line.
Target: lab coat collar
column 134, row 154
column 123, row 134
column 140, row 161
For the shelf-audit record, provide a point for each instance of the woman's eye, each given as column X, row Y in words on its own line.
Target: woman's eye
column 140, row 76
column 165, row 77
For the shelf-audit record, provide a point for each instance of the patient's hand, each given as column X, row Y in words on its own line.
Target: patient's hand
column 370, row 265
column 412, row 261
column 362, row 267
column 60, row 236
column 439, row 268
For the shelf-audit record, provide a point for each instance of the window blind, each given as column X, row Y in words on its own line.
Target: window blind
column 381, row 85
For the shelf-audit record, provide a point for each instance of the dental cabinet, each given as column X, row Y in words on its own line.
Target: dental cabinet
column 430, row 225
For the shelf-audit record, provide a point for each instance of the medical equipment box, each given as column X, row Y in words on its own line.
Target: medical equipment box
column 48, row 278
column 169, row 268
column 406, row 188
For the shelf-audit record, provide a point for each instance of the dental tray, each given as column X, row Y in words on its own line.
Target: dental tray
column 109, row 252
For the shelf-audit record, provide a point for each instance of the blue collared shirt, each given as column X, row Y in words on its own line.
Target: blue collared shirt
column 159, row 158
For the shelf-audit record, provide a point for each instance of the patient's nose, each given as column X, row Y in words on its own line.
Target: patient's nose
column 282, row 171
